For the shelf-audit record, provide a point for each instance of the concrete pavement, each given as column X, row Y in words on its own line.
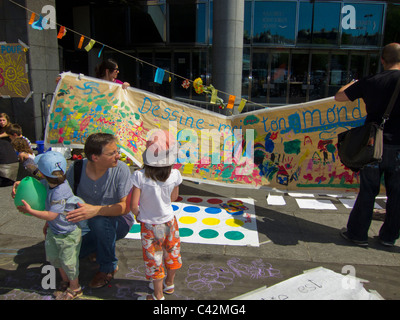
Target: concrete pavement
column 291, row 240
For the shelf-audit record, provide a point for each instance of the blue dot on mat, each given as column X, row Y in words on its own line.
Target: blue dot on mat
column 191, row 209
column 213, row 210
column 175, row 208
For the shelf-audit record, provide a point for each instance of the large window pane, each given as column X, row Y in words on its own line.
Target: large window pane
column 306, row 10
column 279, row 73
column 247, row 22
column 367, row 30
column 274, row 22
column 182, row 22
column 392, row 33
column 319, row 71
column 259, row 74
column 201, row 23
column 325, row 30
column 298, row 78
column 338, row 73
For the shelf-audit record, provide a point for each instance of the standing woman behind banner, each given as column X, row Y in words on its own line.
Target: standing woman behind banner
column 108, row 70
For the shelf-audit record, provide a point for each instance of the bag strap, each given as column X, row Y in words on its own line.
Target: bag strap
column 391, row 103
column 78, row 164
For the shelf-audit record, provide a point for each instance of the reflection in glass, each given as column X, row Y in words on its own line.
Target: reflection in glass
column 338, row 73
column 326, row 23
column 318, row 77
column 274, row 22
column 259, row 74
column 298, row 78
column 368, row 26
column 278, row 78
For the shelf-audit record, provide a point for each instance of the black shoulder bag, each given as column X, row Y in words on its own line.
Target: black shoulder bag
column 363, row 145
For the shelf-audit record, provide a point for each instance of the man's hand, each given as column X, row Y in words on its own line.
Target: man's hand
column 84, row 212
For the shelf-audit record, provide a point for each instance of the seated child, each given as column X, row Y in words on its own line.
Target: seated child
column 14, row 131
column 63, row 238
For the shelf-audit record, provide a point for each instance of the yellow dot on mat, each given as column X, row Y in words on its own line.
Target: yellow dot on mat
column 211, row 221
column 234, row 223
column 188, row 220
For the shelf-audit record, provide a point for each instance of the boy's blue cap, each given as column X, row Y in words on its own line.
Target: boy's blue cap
column 51, row 161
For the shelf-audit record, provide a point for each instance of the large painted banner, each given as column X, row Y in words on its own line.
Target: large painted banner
column 284, row 148
column 13, row 75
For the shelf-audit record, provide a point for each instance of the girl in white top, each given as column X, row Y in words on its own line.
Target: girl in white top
column 155, row 187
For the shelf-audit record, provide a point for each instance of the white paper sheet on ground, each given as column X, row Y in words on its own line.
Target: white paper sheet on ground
column 203, row 220
column 315, row 284
column 276, row 200
column 315, row 204
column 349, row 203
column 300, row 195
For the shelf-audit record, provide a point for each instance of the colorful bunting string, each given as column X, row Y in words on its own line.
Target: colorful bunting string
column 197, row 85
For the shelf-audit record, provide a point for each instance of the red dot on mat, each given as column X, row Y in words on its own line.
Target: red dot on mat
column 195, row 200
column 214, row 201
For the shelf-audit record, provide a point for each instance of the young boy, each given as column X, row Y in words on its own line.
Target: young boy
column 14, row 131
column 63, row 238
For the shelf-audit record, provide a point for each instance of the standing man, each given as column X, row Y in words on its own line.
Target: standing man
column 376, row 92
column 104, row 185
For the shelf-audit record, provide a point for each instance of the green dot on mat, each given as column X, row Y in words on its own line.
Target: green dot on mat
column 135, row 228
column 208, row 234
column 234, row 235
column 185, row 232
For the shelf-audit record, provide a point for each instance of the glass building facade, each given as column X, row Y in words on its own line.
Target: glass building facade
column 293, row 50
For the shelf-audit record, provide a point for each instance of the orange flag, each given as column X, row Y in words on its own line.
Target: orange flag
column 231, row 102
column 62, row 32
column 81, row 42
column 32, row 18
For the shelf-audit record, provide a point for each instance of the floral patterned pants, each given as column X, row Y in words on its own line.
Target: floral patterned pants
column 161, row 243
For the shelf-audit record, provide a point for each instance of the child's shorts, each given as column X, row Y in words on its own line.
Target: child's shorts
column 161, row 242
column 62, row 251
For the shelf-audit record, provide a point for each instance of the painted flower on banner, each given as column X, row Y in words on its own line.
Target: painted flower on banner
column 186, row 84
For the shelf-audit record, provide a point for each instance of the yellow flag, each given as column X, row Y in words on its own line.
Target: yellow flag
column 90, row 45
column 241, row 105
column 214, row 96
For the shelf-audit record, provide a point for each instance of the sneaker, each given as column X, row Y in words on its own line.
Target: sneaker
column 345, row 234
column 386, row 243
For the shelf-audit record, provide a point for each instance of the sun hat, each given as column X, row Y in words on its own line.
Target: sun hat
column 161, row 149
column 51, row 161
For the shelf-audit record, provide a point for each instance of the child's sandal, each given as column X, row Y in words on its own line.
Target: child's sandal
column 166, row 289
column 61, row 288
column 150, row 297
column 70, row 294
